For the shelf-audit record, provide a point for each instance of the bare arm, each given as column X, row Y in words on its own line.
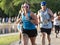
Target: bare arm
column 51, row 14
column 18, row 20
column 34, row 17
column 38, row 20
column 38, row 17
column 58, row 17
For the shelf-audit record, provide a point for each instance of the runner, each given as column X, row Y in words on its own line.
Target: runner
column 19, row 23
column 57, row 23
column 45, row 17
column 29, row 30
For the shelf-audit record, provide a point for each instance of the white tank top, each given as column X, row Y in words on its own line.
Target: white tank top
column 45, row 19
column 56, row 22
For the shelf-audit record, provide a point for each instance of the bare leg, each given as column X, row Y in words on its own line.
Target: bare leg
column 20, row 37
column 56, row 31
column 49, row 39
column 25, row 39
column 33, row 40
column 43, row 38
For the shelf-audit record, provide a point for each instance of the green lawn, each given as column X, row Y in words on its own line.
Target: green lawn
column 7, row 40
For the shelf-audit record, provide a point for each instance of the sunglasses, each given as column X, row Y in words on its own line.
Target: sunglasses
column 25, row 6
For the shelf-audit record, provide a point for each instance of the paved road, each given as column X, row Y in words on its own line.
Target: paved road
column 54, row 40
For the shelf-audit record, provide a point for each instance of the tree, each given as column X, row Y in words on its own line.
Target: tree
column 8, row 6
column 12, row 7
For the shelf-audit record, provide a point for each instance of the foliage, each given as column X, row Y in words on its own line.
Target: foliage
column 12, row 7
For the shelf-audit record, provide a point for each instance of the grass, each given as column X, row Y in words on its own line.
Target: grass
column 7, row 40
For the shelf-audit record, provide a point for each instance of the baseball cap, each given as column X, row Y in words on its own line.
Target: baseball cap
column 43, row 3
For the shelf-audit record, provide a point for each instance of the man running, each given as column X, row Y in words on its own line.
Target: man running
column 45, row 17
column 57, row 23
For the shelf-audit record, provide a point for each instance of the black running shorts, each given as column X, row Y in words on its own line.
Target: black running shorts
column 30, row 33
column 48, row 31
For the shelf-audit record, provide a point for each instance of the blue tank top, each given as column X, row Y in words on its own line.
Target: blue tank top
column 26, row 23
column 44, row 17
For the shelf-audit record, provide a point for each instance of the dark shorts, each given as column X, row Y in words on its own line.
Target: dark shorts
column 57, row 28
column 30, row 33
column 48, row 31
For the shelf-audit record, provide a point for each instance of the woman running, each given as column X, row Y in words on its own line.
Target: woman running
column 29, row 22
column 19, row 23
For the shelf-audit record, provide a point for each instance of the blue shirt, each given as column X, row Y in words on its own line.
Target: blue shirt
column 26, row 22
